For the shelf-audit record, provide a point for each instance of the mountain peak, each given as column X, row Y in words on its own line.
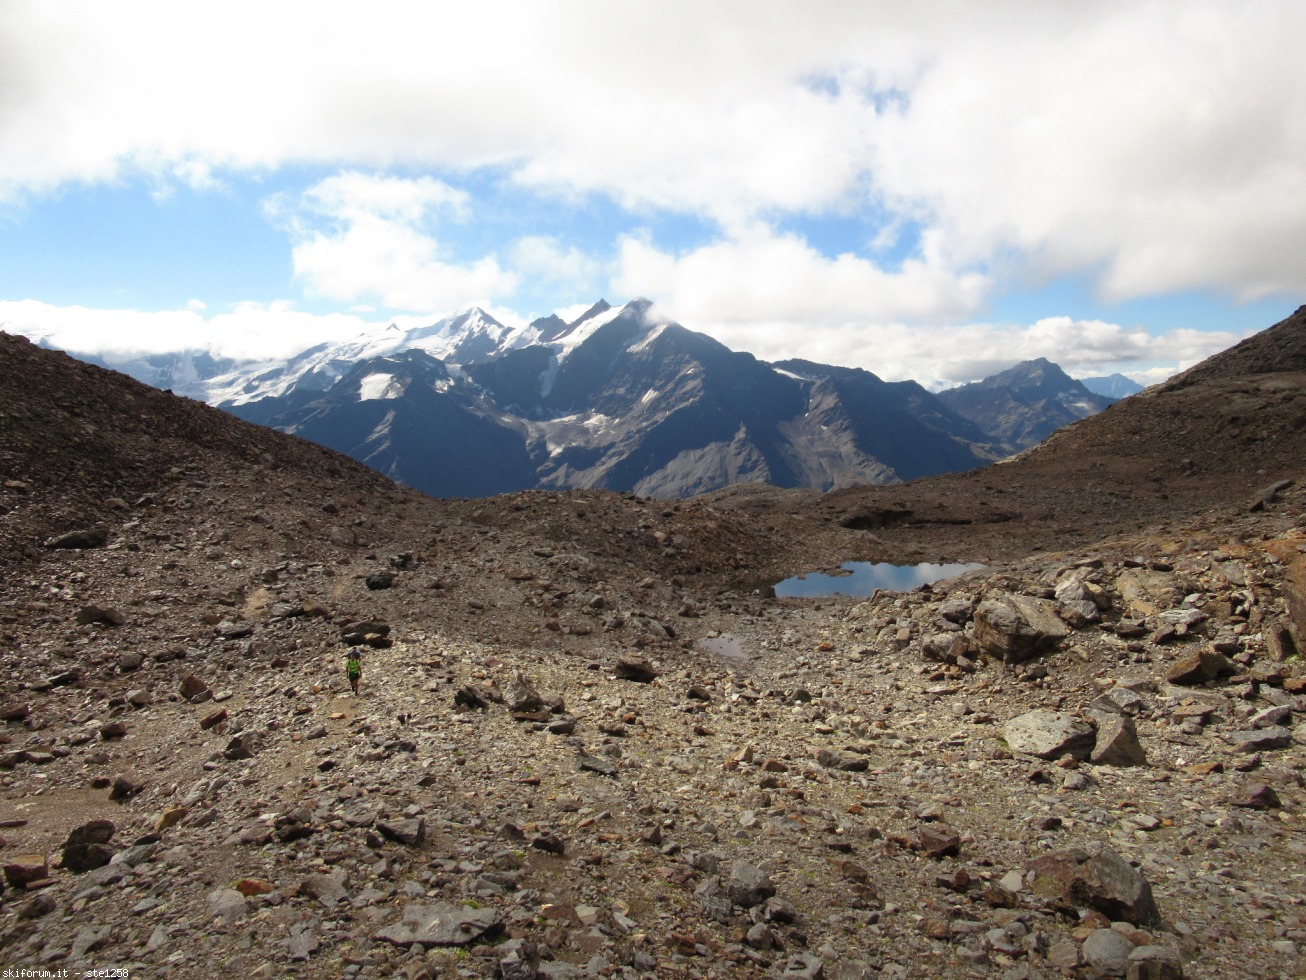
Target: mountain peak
column 601, row 307
column 1023, row 405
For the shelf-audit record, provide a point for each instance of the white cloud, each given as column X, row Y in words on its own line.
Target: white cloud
column 1155, row 146
column 543, row 260
column 249, row 331
column 942, row 356
column 764, row 277
column 376, row 244
column 1164, row 145
column 936, row 357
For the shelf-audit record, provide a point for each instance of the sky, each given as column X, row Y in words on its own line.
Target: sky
column 933, row 190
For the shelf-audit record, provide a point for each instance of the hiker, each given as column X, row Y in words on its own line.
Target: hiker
column 355, row 667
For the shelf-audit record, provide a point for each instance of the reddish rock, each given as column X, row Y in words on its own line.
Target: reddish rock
column 938, row 841
column 15, row 711
column 213, row 718
column 1257, row 796
column 112, row 730
column 1199, row 667
column 88, row 846
column 1103, row 882
column 193, row 689
column 21, row 870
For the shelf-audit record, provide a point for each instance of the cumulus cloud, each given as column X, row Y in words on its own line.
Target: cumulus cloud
column 759, row 275
column 1151, row 147
column 943, row 356
column 545, row 261
column 1164, row 145
column 360, row 236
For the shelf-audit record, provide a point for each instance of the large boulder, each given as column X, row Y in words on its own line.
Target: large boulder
column 88, row 847
column 1199, row 667
column 90, row 537
column 20, row 870
column 748, row 885
column 1050, row 735
column 194, row 690
column 521, row 695
column 410, row 832
column 1104, row 882
column 1117, row 741
column 635, row 669
column 440, row 925
column 1017, row 627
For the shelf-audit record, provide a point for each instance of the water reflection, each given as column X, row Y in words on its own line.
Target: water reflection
column 864, row 578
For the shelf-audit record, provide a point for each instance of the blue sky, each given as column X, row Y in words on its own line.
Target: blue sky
column 929, row 191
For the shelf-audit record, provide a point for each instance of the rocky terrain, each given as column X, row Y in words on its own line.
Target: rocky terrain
column 590, row 743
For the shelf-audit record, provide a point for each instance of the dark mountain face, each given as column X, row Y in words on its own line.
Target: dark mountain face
column 911, row 427
column 1020, row 407
column 617, row 401
column 408, row 418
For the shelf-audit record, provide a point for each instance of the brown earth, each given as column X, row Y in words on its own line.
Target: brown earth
column 608, row 826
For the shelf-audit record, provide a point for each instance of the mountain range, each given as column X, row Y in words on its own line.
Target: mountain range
column 618, row 399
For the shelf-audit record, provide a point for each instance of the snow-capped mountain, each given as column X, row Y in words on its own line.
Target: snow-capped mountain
column 461, row 339
column 1020, row 407
column 620, row 400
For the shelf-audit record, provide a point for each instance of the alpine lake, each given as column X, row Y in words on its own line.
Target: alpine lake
column 855, row 579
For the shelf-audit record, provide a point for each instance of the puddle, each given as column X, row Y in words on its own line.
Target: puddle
column 728, row 646
column 861, row 579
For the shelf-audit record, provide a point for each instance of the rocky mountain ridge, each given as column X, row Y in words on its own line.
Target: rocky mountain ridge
column 589, row 743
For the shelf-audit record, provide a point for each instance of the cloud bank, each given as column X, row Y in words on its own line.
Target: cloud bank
column 1147, row 148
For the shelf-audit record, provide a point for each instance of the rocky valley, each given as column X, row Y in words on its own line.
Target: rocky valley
column 590, row 742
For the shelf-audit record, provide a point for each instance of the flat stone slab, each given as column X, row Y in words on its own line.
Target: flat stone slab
column 1049, row 735
column 1260, row 739
column 440, row 925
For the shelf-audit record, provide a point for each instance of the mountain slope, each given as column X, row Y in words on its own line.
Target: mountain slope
column 1022, row 406
column 407, row 417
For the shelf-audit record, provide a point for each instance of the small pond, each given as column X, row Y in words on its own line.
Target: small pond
column 863, row 578
column 728, row 646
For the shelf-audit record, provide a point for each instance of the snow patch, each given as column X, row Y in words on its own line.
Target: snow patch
column 565, row 345
column 647, row 339
column 375, row 387
column 648, row 396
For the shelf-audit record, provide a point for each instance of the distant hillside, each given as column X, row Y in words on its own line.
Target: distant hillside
column 1113, row 386
column 1022, row 406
